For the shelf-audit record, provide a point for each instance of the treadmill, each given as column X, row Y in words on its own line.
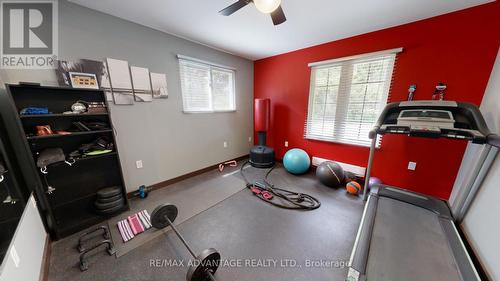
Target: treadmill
column 404, row 235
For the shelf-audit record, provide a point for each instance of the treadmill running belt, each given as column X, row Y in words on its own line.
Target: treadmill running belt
column 408, row 244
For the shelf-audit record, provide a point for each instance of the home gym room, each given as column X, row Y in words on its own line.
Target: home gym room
column 249, row 140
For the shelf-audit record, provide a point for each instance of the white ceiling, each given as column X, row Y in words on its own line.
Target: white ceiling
column 251, row 34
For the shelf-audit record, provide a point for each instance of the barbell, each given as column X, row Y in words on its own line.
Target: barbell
column 206, row 263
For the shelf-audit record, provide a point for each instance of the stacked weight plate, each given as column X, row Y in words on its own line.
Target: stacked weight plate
column 109, row 200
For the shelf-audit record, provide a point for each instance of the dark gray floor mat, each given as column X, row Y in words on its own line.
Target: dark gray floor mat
column 243, row 228
column 191, row 197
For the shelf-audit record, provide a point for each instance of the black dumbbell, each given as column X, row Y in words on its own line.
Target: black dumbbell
column 206, row 263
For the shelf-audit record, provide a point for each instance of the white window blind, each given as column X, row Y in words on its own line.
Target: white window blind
column 206, row 87
column 347, row 96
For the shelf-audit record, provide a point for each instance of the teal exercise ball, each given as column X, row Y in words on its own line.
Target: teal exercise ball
column 296, row 161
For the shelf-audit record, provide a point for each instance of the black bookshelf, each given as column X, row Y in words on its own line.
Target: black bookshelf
column 10, row 214
column 69, row 208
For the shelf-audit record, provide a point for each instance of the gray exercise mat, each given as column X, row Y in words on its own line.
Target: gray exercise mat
column 241, row 227
column 191, row 196
column 408, row 244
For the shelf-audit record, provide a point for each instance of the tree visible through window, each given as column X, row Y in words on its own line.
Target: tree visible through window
column 346, row 98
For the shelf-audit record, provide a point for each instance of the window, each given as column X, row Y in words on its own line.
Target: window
column 347, row 96
column 206, row 87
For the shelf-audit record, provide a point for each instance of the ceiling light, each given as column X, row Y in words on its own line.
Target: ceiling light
column 267, row 6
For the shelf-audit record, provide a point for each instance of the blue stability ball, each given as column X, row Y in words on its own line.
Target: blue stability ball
column 296, row 161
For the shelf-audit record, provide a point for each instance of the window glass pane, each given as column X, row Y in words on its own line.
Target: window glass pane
column 354, row 112
column 222, row 88
column 334, row 75
column 360, row 72
column 195, row 84
column 346, row 99
column 377, row 71
column 318, row 111
column 375, row 91
column 370, row 113
column 358, row 93
column 320, row 95
column 206, row 88
column 322, row 77
column 332, row 94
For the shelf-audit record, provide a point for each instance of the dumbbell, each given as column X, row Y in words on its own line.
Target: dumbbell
column 206, row 263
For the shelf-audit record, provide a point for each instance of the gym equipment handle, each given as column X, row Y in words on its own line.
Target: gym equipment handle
column 494, row 140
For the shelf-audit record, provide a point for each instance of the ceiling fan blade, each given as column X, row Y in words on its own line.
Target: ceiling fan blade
column 234, row 7
column 278, row 16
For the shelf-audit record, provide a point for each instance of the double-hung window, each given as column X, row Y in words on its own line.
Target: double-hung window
column 206, row 87
column 347, row 95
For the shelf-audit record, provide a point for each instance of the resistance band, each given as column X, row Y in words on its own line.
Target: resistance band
column 284, row 198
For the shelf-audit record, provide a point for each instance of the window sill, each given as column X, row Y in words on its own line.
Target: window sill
column 342, row 142
column 217, row 111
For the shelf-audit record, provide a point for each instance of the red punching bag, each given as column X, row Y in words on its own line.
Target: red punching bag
column 262, row 112
column 262, row 156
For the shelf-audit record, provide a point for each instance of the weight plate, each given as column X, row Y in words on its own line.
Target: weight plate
column 103, row 206
column 109, row 192
column 207, row 261
column 158, row 216
column 110, row 210
column 110, row 199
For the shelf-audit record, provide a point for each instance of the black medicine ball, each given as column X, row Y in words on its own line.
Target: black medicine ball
column 330, row 173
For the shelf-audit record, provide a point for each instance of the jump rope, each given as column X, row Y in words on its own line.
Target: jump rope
column 279, row 197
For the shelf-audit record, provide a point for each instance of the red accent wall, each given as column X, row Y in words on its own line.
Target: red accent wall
column 458, row 49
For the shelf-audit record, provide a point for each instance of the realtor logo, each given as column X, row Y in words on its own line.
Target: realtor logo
column 28, row 34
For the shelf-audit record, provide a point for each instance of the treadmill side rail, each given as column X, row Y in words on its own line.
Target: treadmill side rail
column 360, row 252
column 464, row 263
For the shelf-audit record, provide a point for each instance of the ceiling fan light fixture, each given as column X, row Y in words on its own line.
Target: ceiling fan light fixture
column 267, row 6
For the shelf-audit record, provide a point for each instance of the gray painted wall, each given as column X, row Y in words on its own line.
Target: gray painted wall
column 170, row 143
column 481, row 222
column 28, row 245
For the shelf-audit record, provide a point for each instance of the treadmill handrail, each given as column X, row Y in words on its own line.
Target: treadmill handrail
column 493, row 140
column 469, row 109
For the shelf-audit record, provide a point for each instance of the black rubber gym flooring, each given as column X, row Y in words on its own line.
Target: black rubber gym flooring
column 257, row 241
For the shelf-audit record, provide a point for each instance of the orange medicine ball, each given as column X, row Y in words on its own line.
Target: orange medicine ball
column 353, row 187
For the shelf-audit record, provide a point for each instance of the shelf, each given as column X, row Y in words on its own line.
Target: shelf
column 70, row 135
column 79, row 214
column 52, row 115
column 73, row 222
column 86, row 158
column 88, row 197
column 54, row 88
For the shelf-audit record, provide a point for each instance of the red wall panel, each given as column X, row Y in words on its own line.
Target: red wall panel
column 458, row 49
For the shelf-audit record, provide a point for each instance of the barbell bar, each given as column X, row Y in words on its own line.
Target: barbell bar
column 206, row 263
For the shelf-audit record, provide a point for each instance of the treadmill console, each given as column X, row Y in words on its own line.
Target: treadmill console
column 433, row 119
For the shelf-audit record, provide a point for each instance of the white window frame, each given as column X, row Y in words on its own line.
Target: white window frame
column 344, row 84
column 211, row 66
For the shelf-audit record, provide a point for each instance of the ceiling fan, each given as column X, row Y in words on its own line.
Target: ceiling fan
column 272, row 7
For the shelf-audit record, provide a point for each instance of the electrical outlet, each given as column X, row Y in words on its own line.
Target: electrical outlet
column 412, row 166
column 138, row 164
column 225, row 144
column 249, row 139
column 286, row 143
column 14, row 256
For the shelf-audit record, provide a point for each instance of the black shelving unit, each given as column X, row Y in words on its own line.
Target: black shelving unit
column 10, row 214
column 70, row 207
